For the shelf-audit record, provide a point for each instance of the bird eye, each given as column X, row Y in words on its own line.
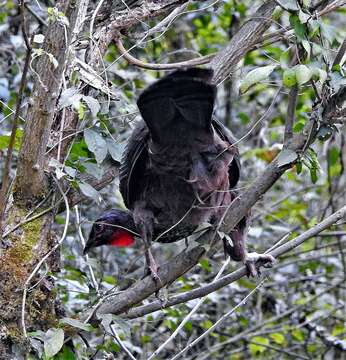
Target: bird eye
column 98, row 227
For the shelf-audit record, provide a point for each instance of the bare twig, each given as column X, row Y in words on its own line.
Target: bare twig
column 82, row 240
column 189, row 315
column 291, row 108
column 132, row 60
column 218, row 322
column 121, row 344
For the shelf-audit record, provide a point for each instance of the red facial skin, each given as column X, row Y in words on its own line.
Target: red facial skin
column 122, row 238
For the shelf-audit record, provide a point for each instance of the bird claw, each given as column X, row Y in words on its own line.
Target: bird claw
column 152, row 268
column 253, row 261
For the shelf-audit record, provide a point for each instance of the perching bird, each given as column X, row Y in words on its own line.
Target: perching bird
column 177, row 171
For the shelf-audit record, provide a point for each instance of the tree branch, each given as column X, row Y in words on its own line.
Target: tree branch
column 235, row 275
column 30, row 178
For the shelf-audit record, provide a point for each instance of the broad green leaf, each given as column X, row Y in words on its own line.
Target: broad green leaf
column 115, row 149
column 69, row 97
column 76, row 323
column 65, row 354
column 93, row 105
column 288, row 4
column 303, row 74
column 299, row 28
column 286, row 156
column 93, row 169
column 89, row 191
column 298, row 334
column 257, row 349
column 278, row 338
column 96, row 144
column 53, row 342
column 255, row 76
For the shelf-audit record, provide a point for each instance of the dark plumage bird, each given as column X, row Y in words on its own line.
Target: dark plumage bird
column 177, row 171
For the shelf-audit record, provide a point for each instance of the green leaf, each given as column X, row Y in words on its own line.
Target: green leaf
column 257, row 349
column 288, row 5
column 303, row 74
column 255, row 76
column 89, row 191
column 286, row 156
column 115, row 149
column 94, row 170
column 69, row 97
column 65, row 354
column 96, row 144
column 299, row 28
column 299, row 125
column 76, row 323
column 299, row 167
column 307, row 48
column 333, row 155
column 303, row 17
column 278, row 338
column 289, row 78
column 298, row 334
column 53, row 342
column 92, row 104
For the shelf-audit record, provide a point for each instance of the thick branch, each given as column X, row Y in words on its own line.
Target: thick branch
column 30, row 175
column 236, row 275
column 243, row 41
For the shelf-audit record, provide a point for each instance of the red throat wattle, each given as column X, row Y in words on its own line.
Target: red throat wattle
column 122, row 239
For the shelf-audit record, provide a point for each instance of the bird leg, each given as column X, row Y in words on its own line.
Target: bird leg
column 144, row 220
column 238, row 252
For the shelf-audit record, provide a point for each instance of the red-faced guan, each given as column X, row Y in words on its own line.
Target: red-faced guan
column 177, row 172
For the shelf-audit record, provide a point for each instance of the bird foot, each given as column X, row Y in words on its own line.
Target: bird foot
column 253, row 261
column 152, row 268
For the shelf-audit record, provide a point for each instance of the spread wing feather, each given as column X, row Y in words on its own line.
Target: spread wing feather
column 182, row 101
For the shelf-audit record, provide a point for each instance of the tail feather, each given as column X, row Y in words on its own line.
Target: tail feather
column 179, row 106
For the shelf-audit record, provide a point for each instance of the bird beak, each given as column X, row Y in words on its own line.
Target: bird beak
column 86, row 248
column 91, row 241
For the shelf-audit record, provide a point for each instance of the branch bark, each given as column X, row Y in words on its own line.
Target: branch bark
column 30, row 177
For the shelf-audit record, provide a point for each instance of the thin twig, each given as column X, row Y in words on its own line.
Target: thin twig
column 132, row 60
column 189, row 315
column 82, row 240
column 218, row 322
column 121, row 344
column 291, row 108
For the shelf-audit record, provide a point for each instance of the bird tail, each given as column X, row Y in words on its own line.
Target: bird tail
column 179, row 106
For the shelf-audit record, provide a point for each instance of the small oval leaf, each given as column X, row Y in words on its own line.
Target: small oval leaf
column 96, row 144
column 53, row 342
column 255, row 76
column 286, row 156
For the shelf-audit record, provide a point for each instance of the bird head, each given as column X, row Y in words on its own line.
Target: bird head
column 115, row 228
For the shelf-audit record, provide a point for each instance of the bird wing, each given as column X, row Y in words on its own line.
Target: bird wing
column 133, row 164
column 178, row 108
column 234, row 167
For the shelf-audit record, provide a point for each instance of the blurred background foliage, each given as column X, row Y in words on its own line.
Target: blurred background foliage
column 306, row 288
